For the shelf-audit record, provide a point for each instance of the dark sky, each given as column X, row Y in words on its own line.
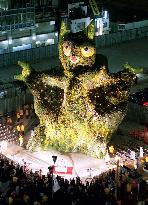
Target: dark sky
column 127, row 10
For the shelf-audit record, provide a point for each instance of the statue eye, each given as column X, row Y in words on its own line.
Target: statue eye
column 67, row 48
column 86, row 48
column 87, row 51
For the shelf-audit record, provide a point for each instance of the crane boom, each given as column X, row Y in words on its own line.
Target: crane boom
column 94, row 7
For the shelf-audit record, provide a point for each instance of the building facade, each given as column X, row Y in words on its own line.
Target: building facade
column 21, row 27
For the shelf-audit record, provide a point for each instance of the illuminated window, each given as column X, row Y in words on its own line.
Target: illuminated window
column 49, row 41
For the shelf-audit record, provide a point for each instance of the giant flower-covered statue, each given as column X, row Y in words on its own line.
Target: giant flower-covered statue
column 80, row 104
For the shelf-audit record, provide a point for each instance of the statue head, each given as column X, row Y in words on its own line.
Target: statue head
column 76, row 49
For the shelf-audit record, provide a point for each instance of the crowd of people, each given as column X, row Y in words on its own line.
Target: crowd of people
column 19, row 186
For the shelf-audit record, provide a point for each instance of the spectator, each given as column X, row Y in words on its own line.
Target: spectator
column 22, row 129
column 21, row 113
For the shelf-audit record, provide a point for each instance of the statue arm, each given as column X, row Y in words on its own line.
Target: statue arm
column 91, row 80
column 31, row 77
column 53, row 81
column 101, row 78
column 25, row 72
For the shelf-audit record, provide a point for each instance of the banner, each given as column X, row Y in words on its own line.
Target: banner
column 62, row 170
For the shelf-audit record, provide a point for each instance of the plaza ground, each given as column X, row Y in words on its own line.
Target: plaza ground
column 134, row 52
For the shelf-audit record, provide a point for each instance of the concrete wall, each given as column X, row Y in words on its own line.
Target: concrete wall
column 115, row 27
column 137, row 24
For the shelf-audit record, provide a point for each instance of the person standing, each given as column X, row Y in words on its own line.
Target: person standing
column 22, row 129
column 18, row 116
column 21, row 140
column 27, row 113
column 18, row 129
column 21, row 113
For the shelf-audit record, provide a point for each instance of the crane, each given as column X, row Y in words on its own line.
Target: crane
column 94, row 7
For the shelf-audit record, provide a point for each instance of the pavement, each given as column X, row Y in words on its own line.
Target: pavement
column 82, row 164
column 135, row 52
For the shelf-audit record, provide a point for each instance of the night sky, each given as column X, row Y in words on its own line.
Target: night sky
column 125, row 10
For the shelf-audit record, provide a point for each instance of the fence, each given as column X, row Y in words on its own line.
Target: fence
column 36, row 54
column 11, row 104
column 31, row 55
column 123, row 36
column 137, row 113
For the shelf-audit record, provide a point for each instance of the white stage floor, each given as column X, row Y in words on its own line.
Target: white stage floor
column 83, row 165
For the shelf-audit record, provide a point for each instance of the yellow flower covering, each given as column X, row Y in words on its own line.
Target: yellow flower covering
column 79, row 105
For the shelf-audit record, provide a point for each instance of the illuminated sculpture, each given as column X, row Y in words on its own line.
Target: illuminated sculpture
column 81, row 104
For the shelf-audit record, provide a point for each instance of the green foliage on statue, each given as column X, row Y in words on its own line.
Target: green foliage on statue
column 80, row 107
